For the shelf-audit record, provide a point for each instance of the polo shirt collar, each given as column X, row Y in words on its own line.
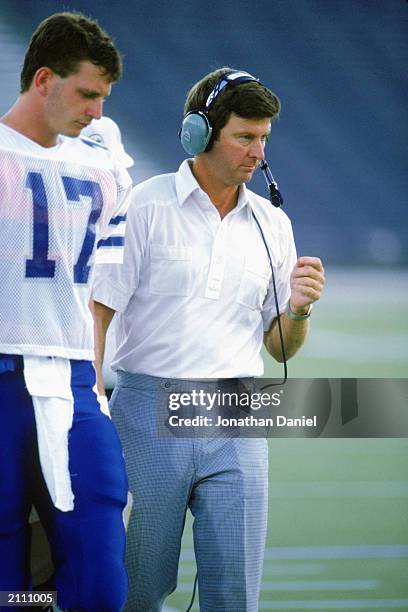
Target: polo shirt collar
column 186, row 184
column 243, row 199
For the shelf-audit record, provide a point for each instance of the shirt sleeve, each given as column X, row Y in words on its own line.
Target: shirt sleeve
column 112, row 235
column 114, row 283
column 282, row 271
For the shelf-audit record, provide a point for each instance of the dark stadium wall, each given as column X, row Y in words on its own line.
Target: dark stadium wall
column 338, row 67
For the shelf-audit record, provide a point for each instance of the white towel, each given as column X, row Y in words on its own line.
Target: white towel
column 48, row 380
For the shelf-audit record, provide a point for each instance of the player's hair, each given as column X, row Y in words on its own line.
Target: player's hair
column 250, row 100
column 63, row 40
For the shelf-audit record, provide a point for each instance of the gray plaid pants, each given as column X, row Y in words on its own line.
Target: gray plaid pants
column 222, row 480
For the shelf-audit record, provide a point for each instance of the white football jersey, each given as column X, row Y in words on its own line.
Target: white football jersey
column 62, row 209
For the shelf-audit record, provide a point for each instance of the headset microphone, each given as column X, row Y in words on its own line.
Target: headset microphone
column 274, row 193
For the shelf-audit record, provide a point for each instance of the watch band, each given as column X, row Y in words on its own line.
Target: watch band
column 296, row 317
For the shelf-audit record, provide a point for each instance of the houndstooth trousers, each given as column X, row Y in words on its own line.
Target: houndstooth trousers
column 224, row 482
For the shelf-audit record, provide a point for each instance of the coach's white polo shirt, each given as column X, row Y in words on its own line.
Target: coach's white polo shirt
column 194, row 294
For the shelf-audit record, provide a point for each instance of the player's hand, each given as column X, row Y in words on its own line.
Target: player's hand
column 306, row 283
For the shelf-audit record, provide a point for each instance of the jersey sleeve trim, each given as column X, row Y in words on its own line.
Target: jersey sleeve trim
column 118, row 219
column 112, row 241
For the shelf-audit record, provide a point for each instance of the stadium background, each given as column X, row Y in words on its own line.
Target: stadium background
column 338, row 525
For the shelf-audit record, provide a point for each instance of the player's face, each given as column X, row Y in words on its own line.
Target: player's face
column 239, row 149
column 73, row 101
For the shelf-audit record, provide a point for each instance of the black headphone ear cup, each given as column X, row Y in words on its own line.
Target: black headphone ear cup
column 195, row 132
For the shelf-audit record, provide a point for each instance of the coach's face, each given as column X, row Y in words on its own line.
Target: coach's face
column 72, row 102
column 240, row 147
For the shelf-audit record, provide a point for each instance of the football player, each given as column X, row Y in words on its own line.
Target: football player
column 62, row 209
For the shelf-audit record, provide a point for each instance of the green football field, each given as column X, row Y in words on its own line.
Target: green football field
column 338, row 508
column 338, row 528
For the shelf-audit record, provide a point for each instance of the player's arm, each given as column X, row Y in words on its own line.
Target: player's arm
column 103, row 316
column 110, row 251
column 306, row 284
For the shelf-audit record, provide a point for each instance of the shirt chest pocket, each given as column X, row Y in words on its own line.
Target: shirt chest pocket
column 170, row 269
column 252, row 289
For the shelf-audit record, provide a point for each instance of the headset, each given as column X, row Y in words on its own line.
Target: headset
column 196, row 129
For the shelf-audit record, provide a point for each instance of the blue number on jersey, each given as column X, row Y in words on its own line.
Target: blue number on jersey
column 75, row 188
column 40, row 266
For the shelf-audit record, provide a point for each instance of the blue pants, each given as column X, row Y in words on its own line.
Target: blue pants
column 87, row 543
column 222, row 480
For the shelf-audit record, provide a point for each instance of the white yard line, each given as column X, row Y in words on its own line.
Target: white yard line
column 319, row 585
column 305, row 585
column 329, row 604
column 337, row 604
column 390, row 551
column 357, row 488
column 382, row 551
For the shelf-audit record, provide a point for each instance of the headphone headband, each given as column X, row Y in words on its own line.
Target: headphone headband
column 228, row 78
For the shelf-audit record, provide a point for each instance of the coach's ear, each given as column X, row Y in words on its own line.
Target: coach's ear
column 42, row 80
